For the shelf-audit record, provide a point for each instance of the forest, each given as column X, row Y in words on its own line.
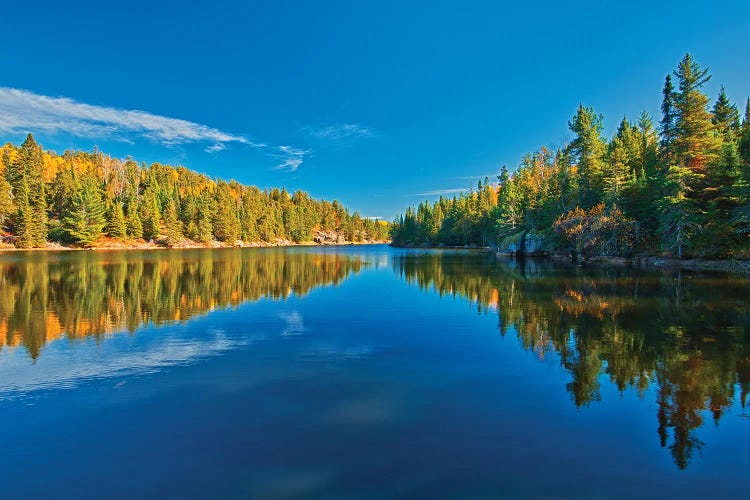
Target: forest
column 84, row 199
column 678, row 188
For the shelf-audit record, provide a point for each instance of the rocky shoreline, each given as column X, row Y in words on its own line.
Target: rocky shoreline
column 739, row 266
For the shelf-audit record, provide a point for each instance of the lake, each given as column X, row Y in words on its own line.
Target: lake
column 368, row 371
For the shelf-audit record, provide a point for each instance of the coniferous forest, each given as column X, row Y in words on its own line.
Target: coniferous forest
column 678, row 187
column 85, row 199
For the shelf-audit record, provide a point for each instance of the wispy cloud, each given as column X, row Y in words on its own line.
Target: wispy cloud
column 440, row 192
column 345, row 132
column 22, row 111
column 291, row 158
column 476, row 177
column 25, row 111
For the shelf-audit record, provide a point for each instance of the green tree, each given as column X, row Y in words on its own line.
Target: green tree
column 744, row 146
column 726, row 117
column 84, row 218
column 679, row 221
column 25, row 177
column 587, row 151
column 668, row 119
column 133, row 222
column 696, row 145
column 172, row 225
column 6, row 202
column 116, row 226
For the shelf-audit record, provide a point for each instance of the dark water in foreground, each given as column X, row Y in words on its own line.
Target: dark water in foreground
column 368, row 371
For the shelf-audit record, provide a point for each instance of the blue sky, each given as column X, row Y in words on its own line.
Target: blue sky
column 376, row 104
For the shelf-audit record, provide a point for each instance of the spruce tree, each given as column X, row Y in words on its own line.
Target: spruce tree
column 695, row 143
column 667, row 124
column 172, row 224
column 616, row 172
column 726, row 118
column 25, row 176
column 6, row 202
column 744, row 145
column 84, row 218
column 133, row 221
column 679, row 221
column 587, row 150
column 116, row 226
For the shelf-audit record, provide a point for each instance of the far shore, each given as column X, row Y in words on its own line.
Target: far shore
column 741, row 266
column 115, row 245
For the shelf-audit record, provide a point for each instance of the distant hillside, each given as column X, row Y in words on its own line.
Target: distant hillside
column 94, row 200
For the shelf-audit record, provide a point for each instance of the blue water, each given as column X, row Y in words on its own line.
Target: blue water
column 375, row 373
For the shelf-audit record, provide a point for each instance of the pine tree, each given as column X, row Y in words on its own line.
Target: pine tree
column 726, row 118
column 744, row 146
column 6, row 202
column 587, row 150
column 133, row 222
column 172, row 225
column 616, row 171
column 25, row 176
column 667, row 121
column 679, row 221
column 205, row 231
column 696, row 145
column 116, row 226
column 84, row 219
column 226, row 224
column 150, row 214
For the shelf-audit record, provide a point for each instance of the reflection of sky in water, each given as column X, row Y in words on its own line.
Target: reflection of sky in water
column 67, row 364
column 375, row 387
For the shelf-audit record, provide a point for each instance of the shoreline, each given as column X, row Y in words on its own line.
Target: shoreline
column 143, row 245
column 638, row 261
column 647, row 262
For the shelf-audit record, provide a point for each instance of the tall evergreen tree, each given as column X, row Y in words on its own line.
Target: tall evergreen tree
column 668, row 120
column 133, row 221
column 84, row 218
column 116, row 226
column 6, row 202
column 696, row 145
column 172, row 224
column 726, row 117
column 25, row 176
column 587, row 151
column 744, row 145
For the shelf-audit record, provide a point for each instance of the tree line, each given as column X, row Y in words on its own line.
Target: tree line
column 679, row 187
column 79, row 197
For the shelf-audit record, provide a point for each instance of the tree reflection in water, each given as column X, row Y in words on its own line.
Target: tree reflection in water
column 46, row 296
column 687, row 333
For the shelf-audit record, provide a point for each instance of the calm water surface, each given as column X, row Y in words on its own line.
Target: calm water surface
column 368, row 372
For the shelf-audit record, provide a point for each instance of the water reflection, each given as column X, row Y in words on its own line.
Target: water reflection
column 45, row 297
column 684, row 334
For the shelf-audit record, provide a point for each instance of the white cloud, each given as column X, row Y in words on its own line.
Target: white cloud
column 24, row 111
column 291, row 158
column 294, row 323
column 347, row 131
column 440, row 192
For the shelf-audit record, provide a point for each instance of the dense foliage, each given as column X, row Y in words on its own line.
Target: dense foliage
column 683, row 189
column 78, row 197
